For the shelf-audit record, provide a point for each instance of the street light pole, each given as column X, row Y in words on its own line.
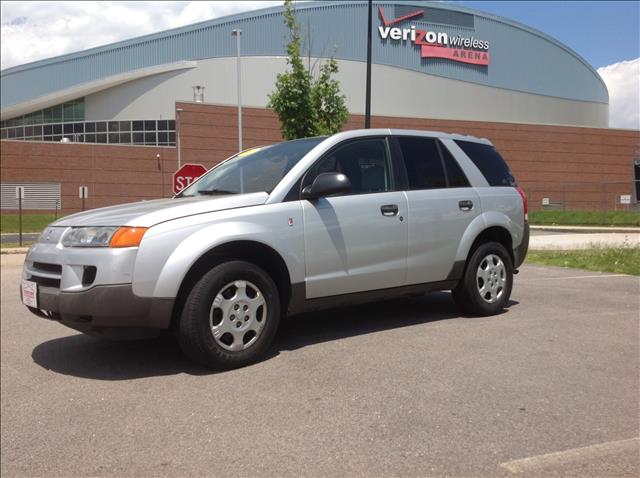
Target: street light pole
column 161, row 169
column 237, row 32
column 367, row 106
column 178, row 111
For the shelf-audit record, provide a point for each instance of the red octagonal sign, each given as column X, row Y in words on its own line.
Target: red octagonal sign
column 185, row 175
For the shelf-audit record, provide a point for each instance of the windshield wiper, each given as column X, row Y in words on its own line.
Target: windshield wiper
column 213, row 192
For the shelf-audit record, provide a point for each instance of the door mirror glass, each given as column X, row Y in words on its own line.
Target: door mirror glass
column 327, row 184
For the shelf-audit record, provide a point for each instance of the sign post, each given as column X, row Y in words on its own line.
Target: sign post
column 19, row 196
column 185, row 175
column 83, row 193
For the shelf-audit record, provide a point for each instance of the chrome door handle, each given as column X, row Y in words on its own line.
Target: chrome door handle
column 465, row 205
column 389, row 209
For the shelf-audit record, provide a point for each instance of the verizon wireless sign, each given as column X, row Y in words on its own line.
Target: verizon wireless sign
column 435, row 44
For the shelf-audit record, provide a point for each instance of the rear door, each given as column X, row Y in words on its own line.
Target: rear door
column 356, row 242
column 441, row 203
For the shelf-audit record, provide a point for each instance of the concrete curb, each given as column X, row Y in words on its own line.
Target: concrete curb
column 14, row 250
column 585, row 229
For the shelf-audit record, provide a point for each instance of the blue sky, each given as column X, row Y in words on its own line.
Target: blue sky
column 602, row 32
column 606, row 34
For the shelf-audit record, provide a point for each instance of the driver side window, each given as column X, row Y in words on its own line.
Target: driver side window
column 364, row 162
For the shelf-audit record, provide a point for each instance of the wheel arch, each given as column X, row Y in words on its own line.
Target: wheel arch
column 486, row 227
column 494, row 234
column 256, row 252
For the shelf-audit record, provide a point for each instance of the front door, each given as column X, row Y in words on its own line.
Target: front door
column 356, row 242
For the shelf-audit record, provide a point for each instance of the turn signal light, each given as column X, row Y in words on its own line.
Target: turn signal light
column 127, row 237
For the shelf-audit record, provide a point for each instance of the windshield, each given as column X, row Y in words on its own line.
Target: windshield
column 254, row 170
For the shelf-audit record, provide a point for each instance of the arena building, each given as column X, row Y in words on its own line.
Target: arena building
column 436, row 66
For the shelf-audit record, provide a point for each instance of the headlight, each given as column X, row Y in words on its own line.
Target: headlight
column 88, row 236
column 103, row 236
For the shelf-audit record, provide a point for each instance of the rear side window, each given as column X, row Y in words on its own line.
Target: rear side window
column 430, row 165
column 423, row 163
column 489, row 162
column 455, row 175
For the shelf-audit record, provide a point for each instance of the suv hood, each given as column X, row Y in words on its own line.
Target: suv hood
column 149, row 213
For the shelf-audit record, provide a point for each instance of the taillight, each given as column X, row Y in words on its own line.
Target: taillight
column 525, row 203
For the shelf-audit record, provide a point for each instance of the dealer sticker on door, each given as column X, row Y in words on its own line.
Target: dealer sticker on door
column 30, row 293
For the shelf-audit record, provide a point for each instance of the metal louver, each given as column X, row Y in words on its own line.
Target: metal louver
column 36, row 196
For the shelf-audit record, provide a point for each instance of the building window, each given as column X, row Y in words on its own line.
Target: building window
column 137, row 132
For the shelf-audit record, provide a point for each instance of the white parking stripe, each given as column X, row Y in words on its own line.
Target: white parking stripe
column 602, row 276
column 574, row 455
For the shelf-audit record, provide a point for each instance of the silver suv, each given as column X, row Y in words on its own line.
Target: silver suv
column 282, row 229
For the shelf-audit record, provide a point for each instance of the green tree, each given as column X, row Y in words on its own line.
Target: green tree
column 306, row 106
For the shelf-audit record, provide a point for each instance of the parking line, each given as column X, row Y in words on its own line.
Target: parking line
column 573, row 455
column 600, row 276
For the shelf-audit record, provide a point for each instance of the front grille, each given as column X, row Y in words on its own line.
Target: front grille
column 44, row 267
column 45, row 281
column 45, row 274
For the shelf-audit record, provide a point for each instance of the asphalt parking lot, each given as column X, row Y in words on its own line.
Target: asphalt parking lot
column 400, row 388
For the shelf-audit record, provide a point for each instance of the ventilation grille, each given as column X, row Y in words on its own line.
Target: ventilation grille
column 35, row 196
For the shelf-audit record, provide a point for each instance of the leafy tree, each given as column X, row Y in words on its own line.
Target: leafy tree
column 306, row 106
column 328, row 102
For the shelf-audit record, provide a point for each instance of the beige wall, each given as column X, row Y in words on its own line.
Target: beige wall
column 395, row 92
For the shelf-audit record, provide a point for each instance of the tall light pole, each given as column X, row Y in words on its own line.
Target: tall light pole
column 178, row 111
column 367, row 106
column 237, row 32
column 161, row 169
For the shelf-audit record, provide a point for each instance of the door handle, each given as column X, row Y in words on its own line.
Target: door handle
column 389, row 209
column 465, row 205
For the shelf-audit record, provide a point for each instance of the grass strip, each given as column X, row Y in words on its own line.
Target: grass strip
column 30, row 222
column 617, row 260
column 585, row 218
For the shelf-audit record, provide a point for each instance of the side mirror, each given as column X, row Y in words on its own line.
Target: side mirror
column 327, row 184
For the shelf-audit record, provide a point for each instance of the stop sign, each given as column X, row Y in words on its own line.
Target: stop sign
column 185, row 175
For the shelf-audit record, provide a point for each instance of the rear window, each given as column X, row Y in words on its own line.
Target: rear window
column 489, row 162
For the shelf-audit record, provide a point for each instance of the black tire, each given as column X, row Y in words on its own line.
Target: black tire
column 467, row 294
column 194, row 331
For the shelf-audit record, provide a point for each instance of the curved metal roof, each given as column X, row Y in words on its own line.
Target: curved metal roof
column 522, row 59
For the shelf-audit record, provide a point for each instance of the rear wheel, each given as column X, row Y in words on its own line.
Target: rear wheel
column 230, row 316
column 486, row 286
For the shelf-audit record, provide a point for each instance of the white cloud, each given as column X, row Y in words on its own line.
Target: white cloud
column 623, row 81
column 35, row 30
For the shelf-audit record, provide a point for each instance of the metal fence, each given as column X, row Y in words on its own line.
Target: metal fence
column 612, row 196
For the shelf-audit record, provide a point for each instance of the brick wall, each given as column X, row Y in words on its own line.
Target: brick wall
column 113, row 174
column 582, row 167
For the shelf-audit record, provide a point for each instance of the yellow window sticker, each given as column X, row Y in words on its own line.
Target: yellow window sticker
column 249, row 152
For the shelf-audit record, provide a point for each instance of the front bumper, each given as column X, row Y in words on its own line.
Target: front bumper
column 90, row 289
column 107, row 311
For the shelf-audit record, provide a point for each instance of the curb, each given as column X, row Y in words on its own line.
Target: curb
column 14, row 250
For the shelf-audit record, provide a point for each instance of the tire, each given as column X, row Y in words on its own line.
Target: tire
column 486, row 285
column 209, row 335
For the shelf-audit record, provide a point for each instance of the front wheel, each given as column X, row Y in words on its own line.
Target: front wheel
column 488, row 279
column 230, row 316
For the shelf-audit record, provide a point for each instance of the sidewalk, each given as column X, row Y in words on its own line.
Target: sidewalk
column 586, row 229
column 584, row 240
